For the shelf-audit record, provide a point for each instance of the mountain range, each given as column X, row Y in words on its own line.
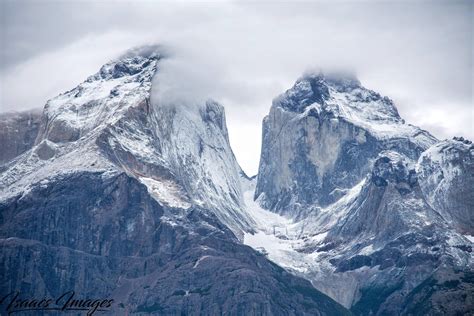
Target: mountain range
column 109, row 193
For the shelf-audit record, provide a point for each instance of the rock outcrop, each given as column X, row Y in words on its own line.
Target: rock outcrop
column 446, row 173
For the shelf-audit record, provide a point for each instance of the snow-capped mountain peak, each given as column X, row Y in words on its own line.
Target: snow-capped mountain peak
column 332, row 127
column 342, row 96
column 102, row 98
column 108, row 123
column 368, row 203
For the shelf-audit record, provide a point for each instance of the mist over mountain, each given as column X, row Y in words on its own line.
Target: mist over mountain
column 243, row 54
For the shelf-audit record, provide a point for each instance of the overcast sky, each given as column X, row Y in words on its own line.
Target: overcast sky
column 243, row 54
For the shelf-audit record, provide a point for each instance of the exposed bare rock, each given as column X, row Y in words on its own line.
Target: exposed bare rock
column 18, row 131
column 446, row 173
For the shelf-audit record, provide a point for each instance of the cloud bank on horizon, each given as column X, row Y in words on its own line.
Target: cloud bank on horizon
column 243, row 54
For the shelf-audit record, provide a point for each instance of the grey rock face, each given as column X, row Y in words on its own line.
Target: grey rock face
column 18, row 132
column 320, row 139
column 409, row 240
column 180, row 148
column 388, row 202
column 446, row 173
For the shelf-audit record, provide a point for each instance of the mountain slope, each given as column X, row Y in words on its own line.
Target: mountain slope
column 110, row 120
column 103, row 235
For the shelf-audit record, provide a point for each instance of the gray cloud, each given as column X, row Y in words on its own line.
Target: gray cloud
column 245, row 53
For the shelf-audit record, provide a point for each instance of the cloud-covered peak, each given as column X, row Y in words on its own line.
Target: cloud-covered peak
column 130, row 63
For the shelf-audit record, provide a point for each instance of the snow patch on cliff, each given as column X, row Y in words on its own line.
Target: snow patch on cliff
column 166, row 192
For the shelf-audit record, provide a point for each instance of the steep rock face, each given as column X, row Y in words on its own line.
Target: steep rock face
column 389, row 203
column 319, row 140
column 446, row 173
column 450, row 285
column 18, row 132
column 185, row 147
column 127, row 199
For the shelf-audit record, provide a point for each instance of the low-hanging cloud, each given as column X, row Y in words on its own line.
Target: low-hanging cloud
column 244, row 54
